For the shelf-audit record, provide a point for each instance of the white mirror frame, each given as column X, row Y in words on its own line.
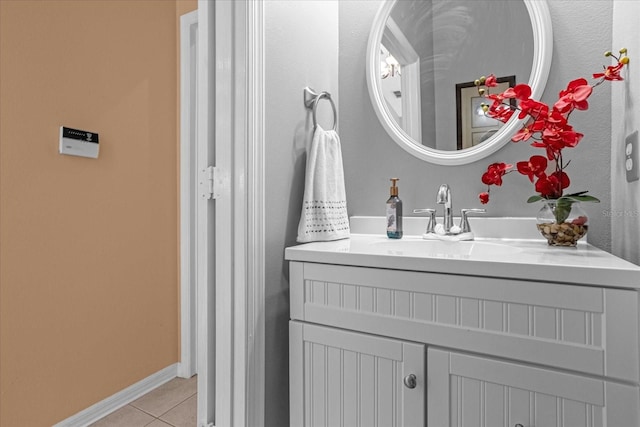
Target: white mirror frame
column 542, row 53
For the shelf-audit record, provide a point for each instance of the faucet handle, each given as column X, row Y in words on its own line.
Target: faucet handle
column 464, row 221
column 432, row 218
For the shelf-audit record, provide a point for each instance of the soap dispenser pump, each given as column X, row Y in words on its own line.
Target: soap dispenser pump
column 394, row 212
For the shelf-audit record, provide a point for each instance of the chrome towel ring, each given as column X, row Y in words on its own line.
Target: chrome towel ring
column 311, row 99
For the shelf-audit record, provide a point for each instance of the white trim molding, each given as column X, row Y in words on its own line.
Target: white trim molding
column 188, row 193
column 204, row 233
column 122, row 398
column 400, row 47
column 254, row 251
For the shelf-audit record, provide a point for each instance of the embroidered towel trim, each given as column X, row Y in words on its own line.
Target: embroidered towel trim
column 324, row 208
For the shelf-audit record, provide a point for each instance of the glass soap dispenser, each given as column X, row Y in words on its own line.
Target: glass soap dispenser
column 394, row 212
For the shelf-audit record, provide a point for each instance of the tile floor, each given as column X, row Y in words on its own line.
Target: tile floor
column 171, row 405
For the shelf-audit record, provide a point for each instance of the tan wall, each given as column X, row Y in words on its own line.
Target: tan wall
column 88, row 248
column 185, row 6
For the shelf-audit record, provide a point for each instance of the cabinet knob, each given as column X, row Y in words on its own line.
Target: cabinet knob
column 518, row 425
column 410, row 381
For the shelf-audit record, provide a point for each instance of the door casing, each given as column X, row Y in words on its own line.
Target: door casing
column 188, row 193
column 230, row 229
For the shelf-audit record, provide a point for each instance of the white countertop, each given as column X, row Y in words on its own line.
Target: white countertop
column 525, row 259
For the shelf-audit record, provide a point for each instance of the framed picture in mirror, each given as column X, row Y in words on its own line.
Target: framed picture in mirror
column 473, row 126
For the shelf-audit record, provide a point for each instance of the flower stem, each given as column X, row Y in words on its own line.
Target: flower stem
column 602, row 80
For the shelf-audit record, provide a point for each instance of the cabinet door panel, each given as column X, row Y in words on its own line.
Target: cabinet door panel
column 341, row 378
column 316, row 362
column 467, row 390
column 495, row 414
column 546, row 410
column 350, row 385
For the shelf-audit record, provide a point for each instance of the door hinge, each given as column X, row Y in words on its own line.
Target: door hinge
column 210, row 183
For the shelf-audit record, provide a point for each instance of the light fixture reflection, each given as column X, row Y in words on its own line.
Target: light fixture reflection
column 389, row 67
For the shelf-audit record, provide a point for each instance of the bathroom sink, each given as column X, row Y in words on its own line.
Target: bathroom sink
column 438, row 248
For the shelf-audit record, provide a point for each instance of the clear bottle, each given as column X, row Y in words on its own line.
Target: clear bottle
column 394, row 212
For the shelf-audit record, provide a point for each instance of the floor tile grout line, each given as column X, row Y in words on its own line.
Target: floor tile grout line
column 168, row 410
column 174, row 407
column 154, row 417
column 163, row 421
column 142, row 410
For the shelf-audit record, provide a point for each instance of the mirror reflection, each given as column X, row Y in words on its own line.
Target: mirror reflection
column 431, row 52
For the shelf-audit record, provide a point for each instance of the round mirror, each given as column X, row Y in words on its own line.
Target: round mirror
column 422, row 59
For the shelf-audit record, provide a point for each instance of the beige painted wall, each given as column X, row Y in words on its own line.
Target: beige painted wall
column 88, row 248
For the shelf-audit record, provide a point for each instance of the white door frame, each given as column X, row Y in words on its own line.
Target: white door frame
column 399, row 46
column 230, row 133
column 188, row 194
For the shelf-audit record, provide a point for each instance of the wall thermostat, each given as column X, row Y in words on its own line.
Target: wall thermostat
column 76, row 142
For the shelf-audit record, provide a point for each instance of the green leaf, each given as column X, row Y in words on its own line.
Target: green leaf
column 563, row 209
column 580, row 193
column 581, row 196
column 535, row 198
column 584, row 198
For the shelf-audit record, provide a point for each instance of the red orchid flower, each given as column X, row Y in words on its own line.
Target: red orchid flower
column 500, row 112
column 553, row 146
column 550, row 139
column 533, row 108
column 556, row 118
column 528, row 131
column 547, row 128
column 612, row 72
column 491, row 81
column 497, row 98
column 570, row 138
column 494, row 173
column 574, row 96
column 536, row 166
column 553, row 152
column 562, row 178
column 551, row 186
column 520, row 92
column 560, row 138
column 544, row 186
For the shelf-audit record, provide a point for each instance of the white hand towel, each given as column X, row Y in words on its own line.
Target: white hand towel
column 324, row 209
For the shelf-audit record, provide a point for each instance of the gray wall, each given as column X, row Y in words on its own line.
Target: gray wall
column 625, row 119
column 301, row 49
column 581, row 34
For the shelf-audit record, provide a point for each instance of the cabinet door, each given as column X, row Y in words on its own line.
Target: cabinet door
column 471, row 391
column 341, row 378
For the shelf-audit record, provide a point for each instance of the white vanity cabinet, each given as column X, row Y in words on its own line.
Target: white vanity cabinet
column 342, row 378
column 485, row 351
column 480, row 391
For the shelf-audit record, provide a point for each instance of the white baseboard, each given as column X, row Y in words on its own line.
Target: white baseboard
column 120, row 399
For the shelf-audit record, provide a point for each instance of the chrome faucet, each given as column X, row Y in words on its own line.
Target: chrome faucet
column 446, row 230
column 444, row 198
